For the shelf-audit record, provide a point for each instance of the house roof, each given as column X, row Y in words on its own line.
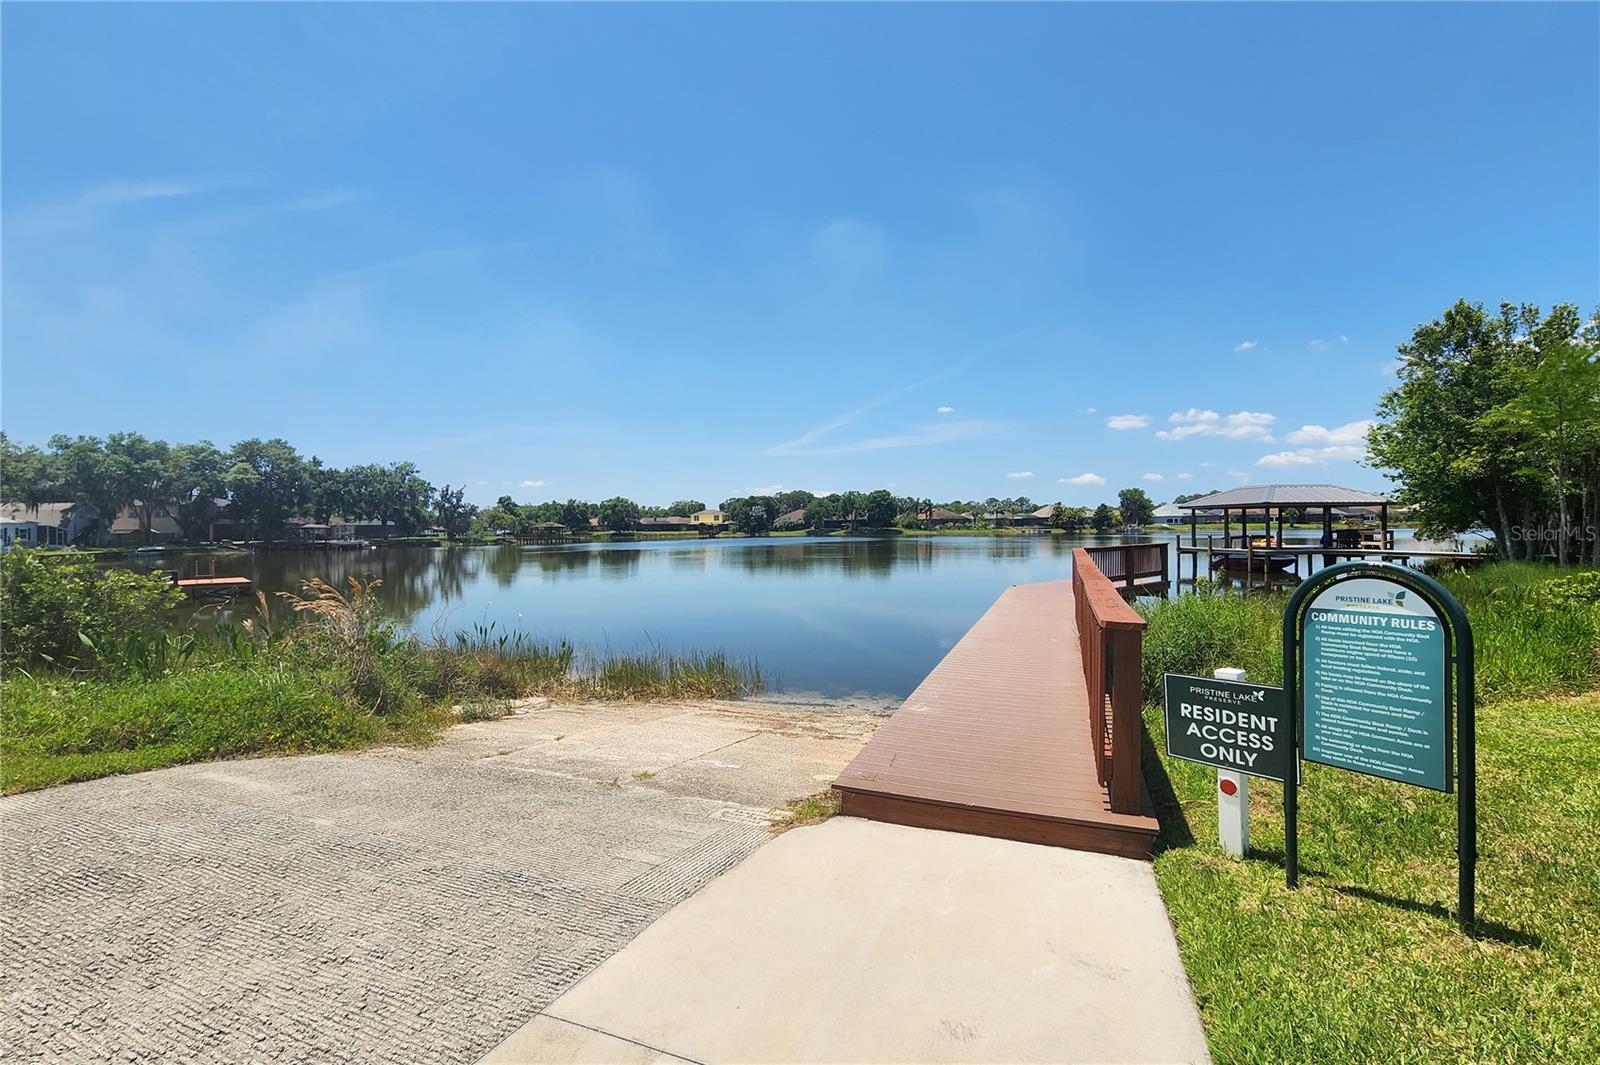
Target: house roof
column 793, row 517
column 668, row 519
column 44, row 514
column 1286, row 495
column 1178, row 510
column 946, row 514
column 708, row 510
column 1046, row 511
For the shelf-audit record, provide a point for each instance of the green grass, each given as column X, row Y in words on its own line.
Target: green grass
column 808, row 810
column 1365, row 961
column 55, row 729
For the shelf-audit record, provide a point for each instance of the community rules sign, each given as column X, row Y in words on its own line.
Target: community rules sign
column 1230, row 724
column 1374, row 682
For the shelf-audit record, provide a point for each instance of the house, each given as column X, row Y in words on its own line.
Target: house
column 126, row 531
column 943, row 516
column 794, row 519
column 1173, row 514
column 48, row 524
column 709, row 516
column 669, row 523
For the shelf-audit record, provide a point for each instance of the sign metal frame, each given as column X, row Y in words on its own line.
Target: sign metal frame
column 1463, row 696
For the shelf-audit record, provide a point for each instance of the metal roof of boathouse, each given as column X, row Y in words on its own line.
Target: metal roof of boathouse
column 1256, row 496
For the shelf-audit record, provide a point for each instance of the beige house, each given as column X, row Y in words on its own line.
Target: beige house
column 709, row 516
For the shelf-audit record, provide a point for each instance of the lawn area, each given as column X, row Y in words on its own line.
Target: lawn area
column 1365, row 961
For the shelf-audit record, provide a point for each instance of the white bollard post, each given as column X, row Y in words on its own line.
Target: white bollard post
column 1233, row 796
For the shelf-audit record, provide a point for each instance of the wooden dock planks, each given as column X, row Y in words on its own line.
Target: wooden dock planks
column 995, row 740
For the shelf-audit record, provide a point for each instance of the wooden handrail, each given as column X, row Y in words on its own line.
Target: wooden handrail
column 1110, row 640
column 1128, row 564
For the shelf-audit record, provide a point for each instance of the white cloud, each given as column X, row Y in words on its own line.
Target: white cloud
column 1240, row 425
column 1244, row 345
column 1184, row 476
column 1154, row 478
column 1207, row 465
column 1082, row 478
column 1020, row 475
column 1390, row 368
column 1089, row 410
column 1321, row 345
column 1127, row 421
column 1313, row 456
column 946, row 410
column 766, row 490
column 1348, row 433
column 532, row 484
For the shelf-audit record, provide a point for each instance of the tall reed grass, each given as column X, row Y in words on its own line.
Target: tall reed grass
column 1532, row 635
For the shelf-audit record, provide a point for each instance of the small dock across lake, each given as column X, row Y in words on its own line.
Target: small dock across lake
column 1029, row 729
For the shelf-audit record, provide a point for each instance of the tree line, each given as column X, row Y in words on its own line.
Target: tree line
column 260, row 482
column 265, row 483
column 1495, row 424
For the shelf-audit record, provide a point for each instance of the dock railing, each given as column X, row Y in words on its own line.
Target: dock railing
column 1111, row 639
column 1132, row 565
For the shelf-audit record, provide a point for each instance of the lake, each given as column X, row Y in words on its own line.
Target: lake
column 835, row 616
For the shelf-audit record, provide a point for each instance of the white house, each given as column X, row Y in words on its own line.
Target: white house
column 47, row 525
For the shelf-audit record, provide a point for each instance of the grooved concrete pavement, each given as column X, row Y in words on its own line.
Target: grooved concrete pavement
column 409, row 905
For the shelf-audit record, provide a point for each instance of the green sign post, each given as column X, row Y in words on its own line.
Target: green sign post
column 1367, row 655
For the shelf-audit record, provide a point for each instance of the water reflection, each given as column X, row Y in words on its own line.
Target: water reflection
column 830, row 614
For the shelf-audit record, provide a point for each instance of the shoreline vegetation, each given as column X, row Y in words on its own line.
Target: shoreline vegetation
column 99, row 681
column 1365, row 961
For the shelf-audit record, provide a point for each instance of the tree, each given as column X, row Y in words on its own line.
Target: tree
column 618, row 514
column 142, row 470
column 198, row 479
column 878, row 508
column 267, row 483
column 684, row 508
column 27, row 475
column 330, row 493
column 402, row 499
column 575, row 514
column 795, row 499
column 88, row 477
column 1490, row 424
column 1136, row 506
column 821, row 510
column 454, row 512
column 1103, row 518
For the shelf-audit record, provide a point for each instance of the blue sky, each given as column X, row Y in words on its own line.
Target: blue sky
column 705, row 250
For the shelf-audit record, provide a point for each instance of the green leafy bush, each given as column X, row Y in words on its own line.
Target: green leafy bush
column 59, row 610
column 1578, row 588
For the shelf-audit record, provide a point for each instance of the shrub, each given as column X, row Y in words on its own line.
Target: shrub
column 59, row 610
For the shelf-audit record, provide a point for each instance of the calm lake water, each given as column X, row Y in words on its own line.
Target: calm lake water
column 830, row 615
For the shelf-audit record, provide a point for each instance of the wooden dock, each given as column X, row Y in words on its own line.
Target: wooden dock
column 213, row 585
column 1000, row 739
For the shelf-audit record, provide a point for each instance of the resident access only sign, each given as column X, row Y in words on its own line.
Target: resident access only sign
column 1374, row 680
column 1229, row 724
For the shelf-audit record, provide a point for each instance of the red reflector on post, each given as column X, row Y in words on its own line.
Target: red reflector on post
column 1228, row 787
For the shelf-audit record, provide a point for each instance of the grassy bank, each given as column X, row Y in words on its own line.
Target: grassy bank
column 97, row 682
column 1365, row 962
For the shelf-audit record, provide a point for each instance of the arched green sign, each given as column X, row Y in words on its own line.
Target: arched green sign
column 1368, row 651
